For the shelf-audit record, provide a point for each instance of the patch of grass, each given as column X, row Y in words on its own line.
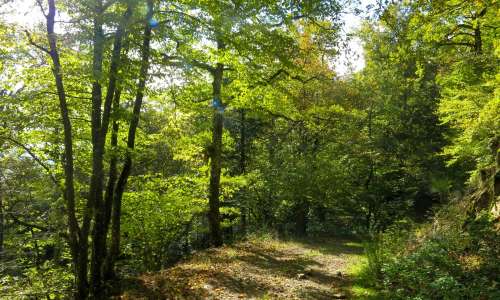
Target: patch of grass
column 353, row 244
column 363, row 285
column 230, row 253
column 312, row 253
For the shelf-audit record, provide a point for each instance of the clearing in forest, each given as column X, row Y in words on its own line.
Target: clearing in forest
column 257, row 269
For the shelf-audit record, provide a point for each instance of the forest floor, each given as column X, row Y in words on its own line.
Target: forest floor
column 262, row 268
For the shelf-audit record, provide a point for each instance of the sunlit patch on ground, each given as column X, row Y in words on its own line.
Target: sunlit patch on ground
column 257, row 269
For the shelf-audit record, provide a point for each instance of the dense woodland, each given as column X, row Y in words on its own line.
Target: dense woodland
column 135, row 133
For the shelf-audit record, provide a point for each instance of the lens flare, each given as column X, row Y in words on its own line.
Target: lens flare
column 153, row 23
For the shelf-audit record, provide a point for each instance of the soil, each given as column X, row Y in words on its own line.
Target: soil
column 256, row 269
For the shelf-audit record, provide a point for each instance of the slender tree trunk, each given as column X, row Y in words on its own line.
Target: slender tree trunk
column 369, row 179
column 112, row 103
column 478, row 42
column 114, row 210
column 1, row 222
column 216, row 154
column 302, row 218
column 78, row 248
column 215, row 170
column 114, row 250
column 242, row 162
column 102, row 207
column 273, row 165
column 97, row 179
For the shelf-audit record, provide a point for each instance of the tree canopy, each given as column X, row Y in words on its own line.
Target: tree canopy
column 135, row 132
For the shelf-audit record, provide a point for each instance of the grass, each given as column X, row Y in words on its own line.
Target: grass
column 362, row 287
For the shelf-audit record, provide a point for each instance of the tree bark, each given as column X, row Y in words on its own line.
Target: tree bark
column 78, row 247
column 1, row 222
column 478, row 42
column 96, row 201
column 242, row 162
column 216, row 154
column 302, row 218
column 113, row 208
column 112, row 103
column 114, row 250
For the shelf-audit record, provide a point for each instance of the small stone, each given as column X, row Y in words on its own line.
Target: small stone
column 339, row 274
column 301, row 276
column 339, row 296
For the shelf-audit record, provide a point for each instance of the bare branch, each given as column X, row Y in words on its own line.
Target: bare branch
column 39, row 2
column 35, row 44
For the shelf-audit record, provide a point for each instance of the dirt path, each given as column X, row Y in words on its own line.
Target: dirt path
column 258, row 269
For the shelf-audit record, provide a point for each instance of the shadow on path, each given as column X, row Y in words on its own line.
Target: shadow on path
column 294, row 269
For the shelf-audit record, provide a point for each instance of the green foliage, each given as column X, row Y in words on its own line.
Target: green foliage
column 50, row 281
column 437, row 260
column 160, row 215
column 304, row 151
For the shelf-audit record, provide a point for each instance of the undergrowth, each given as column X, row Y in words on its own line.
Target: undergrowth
column 441, row 259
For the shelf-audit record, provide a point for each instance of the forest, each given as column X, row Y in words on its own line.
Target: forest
column 250, row 149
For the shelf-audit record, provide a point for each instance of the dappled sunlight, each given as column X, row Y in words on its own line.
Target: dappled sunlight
column 269, row 269
column 229, row 149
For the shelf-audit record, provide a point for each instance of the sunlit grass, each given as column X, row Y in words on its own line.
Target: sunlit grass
column 312, row 253
column 362, row 285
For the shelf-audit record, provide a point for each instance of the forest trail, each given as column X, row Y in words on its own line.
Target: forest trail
column 318, row 268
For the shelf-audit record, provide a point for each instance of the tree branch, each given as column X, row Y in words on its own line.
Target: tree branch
column 294, row 77
column 39, row 2
column 26, row 224
column 178, row 61
column 35, row 44
column 456, row 44
column 36, row 159
column 278, row 115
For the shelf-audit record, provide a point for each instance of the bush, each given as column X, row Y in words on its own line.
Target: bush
column 437, row 260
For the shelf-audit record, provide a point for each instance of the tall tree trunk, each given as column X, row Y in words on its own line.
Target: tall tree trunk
column 102, row 207
column 112, row 103
column 114, row 250
column 273, row 165
column 78, row 247
column 1, row 222
column 242, row 163
column 97, row 179
column 216, row 154
column 478, row 42
column 302, row 218
column 114, row 211
column 370, row 198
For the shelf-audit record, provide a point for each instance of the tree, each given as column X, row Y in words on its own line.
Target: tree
column 240, row 33
column 97, row 209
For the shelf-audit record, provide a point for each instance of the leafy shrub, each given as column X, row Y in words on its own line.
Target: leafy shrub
column 437, row 260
